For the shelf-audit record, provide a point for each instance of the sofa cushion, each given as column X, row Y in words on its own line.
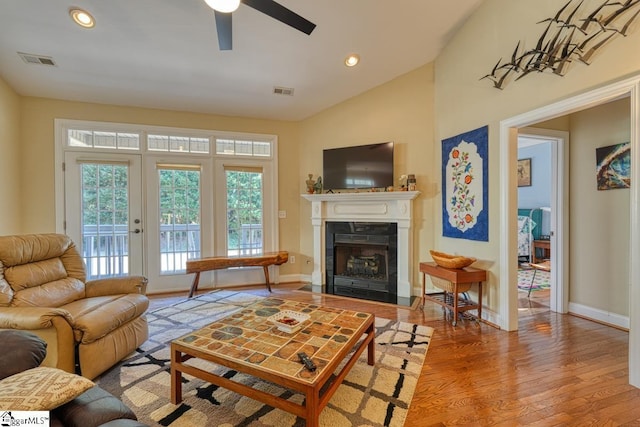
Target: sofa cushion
column 21, row 350
column 98, row 316
column 28, row 248
column 35, row 273
column 94, row 407
column 41, row 389
column 53, row 294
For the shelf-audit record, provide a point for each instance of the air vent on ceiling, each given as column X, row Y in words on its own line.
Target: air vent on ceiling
column 279, row 90
column 36, row 59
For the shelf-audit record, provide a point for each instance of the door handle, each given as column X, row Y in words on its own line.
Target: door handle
column 136, row 231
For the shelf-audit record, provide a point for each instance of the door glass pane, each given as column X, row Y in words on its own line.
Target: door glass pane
column 244, row 212
column 179, row 218
column 105, row 218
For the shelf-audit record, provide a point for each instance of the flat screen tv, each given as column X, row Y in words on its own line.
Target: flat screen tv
column 362, row 166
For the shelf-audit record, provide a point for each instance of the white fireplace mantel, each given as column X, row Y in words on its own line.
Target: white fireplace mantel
column 392, row 206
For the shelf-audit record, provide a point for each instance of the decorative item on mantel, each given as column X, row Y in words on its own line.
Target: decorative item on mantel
column 403, row 182
column 318, row 186
column 311, row 184
column 451, row 261
column 411, row 182
column 408, row 182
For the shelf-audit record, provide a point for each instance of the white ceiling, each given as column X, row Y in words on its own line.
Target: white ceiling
column 164, row 53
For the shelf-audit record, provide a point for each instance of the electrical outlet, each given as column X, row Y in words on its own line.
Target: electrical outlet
column 282, row 214
column 292, row 259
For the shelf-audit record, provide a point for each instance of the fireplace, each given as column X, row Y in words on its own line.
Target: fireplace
column 375, row 235
column 361, row 260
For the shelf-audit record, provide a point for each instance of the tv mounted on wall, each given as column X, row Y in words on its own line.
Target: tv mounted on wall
column 362, row 166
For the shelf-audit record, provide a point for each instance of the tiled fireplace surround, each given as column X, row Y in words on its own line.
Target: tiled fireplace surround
column 395, row 207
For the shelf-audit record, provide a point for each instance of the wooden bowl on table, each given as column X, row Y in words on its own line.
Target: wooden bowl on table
column 451, row 261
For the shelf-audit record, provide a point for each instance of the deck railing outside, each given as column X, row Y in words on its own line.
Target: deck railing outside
column 105, row 248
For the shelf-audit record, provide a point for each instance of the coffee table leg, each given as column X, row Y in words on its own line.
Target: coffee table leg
column 176, row 377
column 371, row 348
column 312, row 400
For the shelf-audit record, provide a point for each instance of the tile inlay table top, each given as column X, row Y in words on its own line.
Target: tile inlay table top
column 247, row 342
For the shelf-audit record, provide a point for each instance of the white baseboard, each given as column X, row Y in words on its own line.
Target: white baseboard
column 599, row 315
column 291, row 278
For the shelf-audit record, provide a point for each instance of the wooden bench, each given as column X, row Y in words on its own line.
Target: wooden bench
column 221, row 262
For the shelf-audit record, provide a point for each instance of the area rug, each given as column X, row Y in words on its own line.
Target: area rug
column 377, row 395
column 542, row 279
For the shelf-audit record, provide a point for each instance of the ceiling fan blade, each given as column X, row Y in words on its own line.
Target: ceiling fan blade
column 223, row 26
column 282, row 14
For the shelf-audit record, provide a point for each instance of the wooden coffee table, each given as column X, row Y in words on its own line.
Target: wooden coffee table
column 248, row 343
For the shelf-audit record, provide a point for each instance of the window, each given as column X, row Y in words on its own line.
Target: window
column 244, row 211
column 101, row 139
column 243, row 147
column 179, row 215
column 191, row 193
column 105, row 210
column 178, row 144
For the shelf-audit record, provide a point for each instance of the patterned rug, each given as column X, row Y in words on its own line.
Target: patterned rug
column 542, row 280
column 376, row 395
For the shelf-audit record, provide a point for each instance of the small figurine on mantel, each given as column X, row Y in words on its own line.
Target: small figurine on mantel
column 411, row 182
column 318, row 186
column 311, row 184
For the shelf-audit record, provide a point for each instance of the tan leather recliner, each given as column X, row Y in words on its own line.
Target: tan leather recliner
column 87, row 325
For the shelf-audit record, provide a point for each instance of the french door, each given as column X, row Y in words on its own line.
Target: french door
column 116, row 235
column 103, row 212
column 179, row 218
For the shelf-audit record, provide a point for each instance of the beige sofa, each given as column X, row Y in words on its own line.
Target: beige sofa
column 88, row 326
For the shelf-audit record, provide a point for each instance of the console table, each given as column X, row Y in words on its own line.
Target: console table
column 453, row 281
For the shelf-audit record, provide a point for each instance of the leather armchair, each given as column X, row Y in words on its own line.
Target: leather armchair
column 88, row 326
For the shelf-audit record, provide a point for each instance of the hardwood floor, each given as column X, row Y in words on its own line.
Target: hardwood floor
column 557, row 370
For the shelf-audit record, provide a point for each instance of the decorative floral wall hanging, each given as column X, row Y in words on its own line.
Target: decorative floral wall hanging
column 465, row 180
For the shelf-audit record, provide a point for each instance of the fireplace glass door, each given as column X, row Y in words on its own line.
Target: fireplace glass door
column 361, row 260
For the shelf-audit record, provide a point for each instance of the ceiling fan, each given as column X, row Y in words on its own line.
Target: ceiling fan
column 223, row 9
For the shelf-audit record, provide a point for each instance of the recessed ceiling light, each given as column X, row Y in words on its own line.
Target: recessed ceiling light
column 82, row 17
column 352, row 60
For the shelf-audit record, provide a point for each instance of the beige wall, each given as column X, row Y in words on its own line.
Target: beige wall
column 400, row 111
column 599, row 224
column 463, row 102
column 37, row 135
column 10, row 160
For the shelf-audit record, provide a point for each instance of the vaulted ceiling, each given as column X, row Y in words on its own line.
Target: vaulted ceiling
column 164, row 53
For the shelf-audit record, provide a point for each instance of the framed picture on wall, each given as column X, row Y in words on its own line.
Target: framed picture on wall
column 524, row 172
column 613, row 166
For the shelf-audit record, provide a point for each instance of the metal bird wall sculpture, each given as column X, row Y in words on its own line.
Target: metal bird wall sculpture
column 571, row 35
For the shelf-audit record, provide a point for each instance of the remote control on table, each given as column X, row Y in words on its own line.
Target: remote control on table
column 308, row 363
